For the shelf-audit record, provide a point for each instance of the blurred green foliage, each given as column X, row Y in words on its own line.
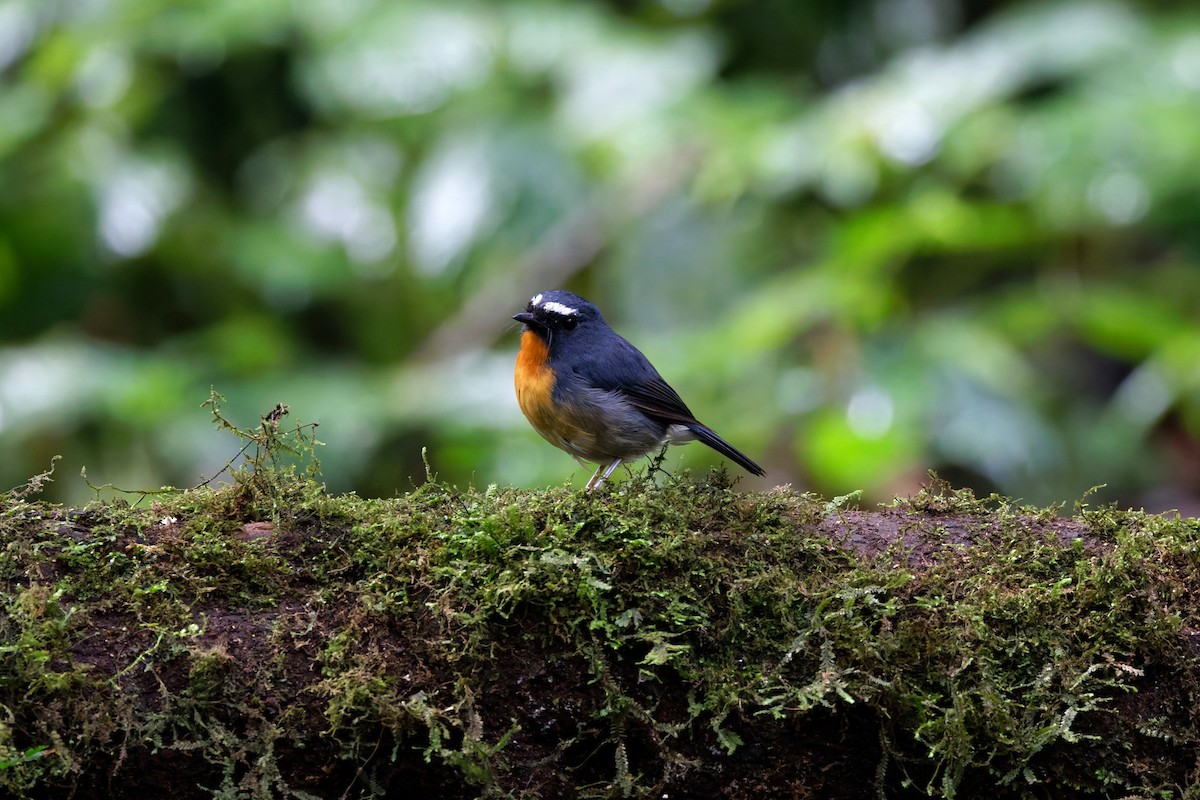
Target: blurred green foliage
column 863, row 239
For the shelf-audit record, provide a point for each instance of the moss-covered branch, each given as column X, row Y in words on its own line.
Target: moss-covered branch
column 268, row 640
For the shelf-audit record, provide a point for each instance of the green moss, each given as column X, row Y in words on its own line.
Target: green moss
column 614, row 642
column 207, row 674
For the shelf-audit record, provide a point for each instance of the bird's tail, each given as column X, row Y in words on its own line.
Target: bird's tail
column 725, row 448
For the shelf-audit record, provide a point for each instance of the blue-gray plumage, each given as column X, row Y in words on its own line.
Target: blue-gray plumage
column 587, row 390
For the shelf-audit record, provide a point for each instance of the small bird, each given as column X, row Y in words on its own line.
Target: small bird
column 591, row 393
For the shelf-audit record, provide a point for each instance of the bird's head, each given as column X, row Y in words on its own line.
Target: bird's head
column 558, row 313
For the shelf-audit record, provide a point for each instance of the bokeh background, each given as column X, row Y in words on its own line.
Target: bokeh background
column 862, row 238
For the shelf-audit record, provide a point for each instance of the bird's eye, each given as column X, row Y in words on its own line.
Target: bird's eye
column 569, row 323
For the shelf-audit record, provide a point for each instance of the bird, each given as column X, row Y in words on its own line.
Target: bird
column 590, row 392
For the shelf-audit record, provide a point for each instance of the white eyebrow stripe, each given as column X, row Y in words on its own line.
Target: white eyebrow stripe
column 559, row 308
column 537, row 300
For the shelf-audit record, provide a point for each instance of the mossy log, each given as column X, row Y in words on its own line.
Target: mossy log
column 267, row 640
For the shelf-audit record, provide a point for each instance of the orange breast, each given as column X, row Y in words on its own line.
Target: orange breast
column 534, row 381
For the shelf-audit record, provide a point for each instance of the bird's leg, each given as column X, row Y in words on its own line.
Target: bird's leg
column 598, row 479
column 591, row 484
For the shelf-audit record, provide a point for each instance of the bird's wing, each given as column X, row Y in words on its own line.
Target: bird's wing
column 624, row 369
column 620, row 367
column 656, row 398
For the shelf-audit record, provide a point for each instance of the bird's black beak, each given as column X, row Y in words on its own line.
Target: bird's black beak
column 525, row 317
